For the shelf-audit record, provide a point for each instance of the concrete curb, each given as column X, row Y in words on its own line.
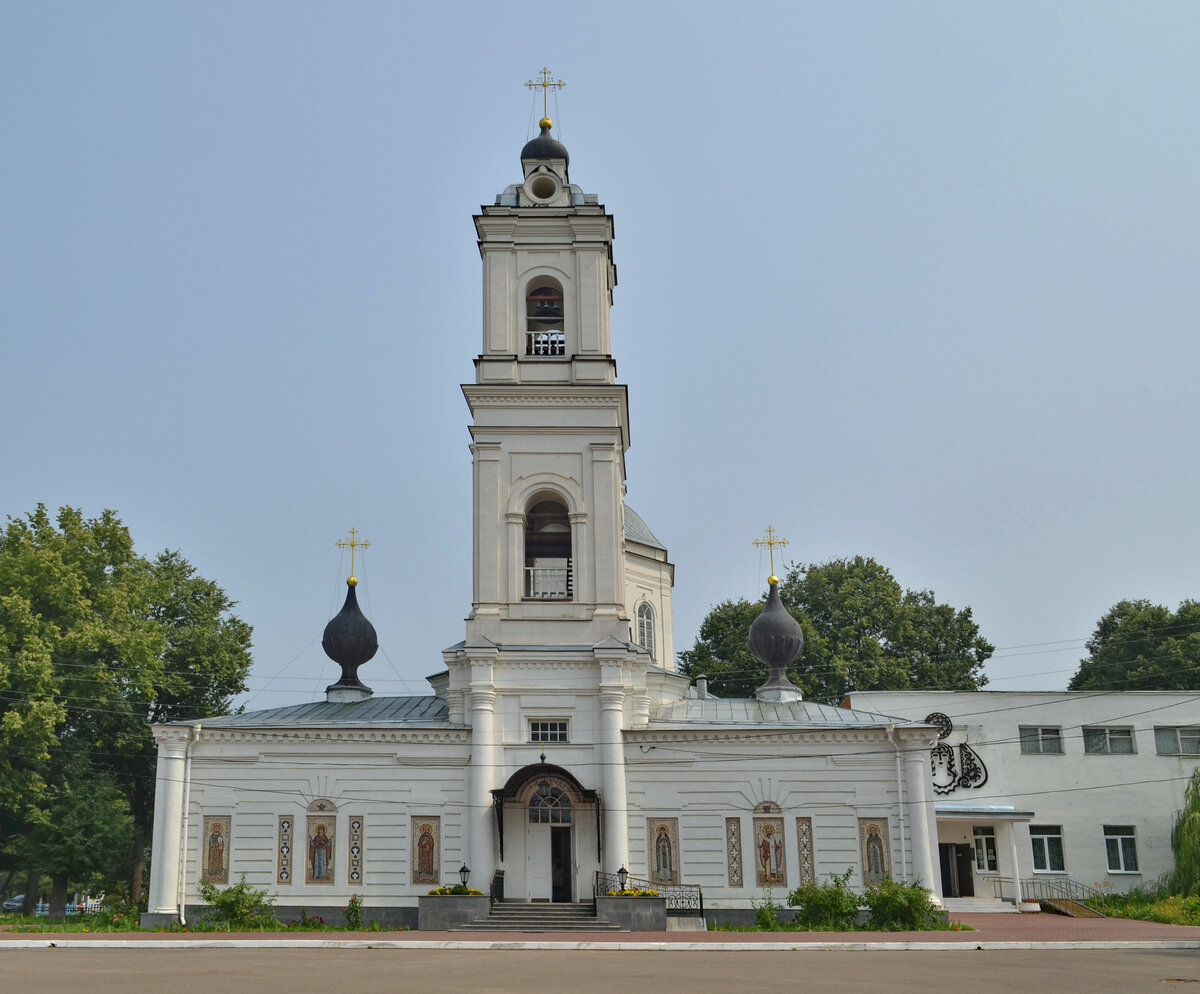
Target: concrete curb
column 62, row 942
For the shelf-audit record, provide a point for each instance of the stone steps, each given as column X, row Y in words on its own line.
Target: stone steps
column 522, row 917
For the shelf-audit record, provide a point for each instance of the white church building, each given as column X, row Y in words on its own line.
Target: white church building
column 558, row 741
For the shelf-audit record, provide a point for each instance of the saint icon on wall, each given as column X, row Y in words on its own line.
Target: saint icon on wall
column 425, row 849
column 663, row 835
column 876, row 863
column 769, row 852
column 320, row 854
column 216, row 850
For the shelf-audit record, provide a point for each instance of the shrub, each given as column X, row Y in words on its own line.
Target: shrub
column 901, row 907
column 766, row 912
column 239, row 908
column 457, row 890
column 830, row 907
column 354, row 913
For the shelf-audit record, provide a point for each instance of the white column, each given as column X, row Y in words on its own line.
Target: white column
column 168, row 820
column 612, row 777
column 921, row 819
column 481, row 857
column 1012, row 851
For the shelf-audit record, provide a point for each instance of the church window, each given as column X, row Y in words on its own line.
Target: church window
column 548, row 552
column 550, row 806
column 645, row 629
column 547, row 731
column 1120, row 844
column 544, row 330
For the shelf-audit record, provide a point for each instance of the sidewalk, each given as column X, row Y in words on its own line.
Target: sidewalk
column 1026, row 931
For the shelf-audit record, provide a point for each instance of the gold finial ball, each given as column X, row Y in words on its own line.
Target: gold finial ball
column 772, row 580
column 545, row 122
column 352, row 581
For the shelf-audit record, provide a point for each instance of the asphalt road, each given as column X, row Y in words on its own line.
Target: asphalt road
column 399, row 971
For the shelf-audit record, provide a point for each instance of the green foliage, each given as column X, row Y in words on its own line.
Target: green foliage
column 238, row 908
column 354, row 912
column 458, row 890
column 1185, row 841
column 830, row 907
column 901, row 907
column 97, row 642
column 632, row 893
column 1142, row 646
column 766, row 912
column 862, row 631
column 1152, row 904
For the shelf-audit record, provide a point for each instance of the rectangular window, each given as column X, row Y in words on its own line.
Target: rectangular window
column 1177, row 741
column 547, row 731
column 1045, row 740
column 985, row 847
column 1047, row 845
column 1108, row 741
column 1120, row 843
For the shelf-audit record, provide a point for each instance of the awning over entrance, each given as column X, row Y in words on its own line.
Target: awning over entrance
column 976, row 812
column 546, row 776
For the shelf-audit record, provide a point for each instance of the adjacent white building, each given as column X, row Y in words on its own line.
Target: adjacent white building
column 558, row 741
column 1044, row 786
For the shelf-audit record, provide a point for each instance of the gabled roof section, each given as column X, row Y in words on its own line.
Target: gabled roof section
column 636, row 530
column 422, row 712
column 747, row 713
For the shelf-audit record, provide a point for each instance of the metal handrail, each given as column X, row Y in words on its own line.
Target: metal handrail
column 1049, row 889
column 682, row 899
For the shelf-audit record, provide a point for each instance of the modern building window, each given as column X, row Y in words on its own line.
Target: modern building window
column 544, row 334
column 548, row 552
column 542, row 730
column 1047, row 841
column 1108, row 741
column 645, row 629
column 550, row 807
column 985, row 847
column 1044, row 740
column 1120, row 842
column 1177, row 741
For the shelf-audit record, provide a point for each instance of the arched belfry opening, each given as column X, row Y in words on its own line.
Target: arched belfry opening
column 548, row 551
column 545, row 334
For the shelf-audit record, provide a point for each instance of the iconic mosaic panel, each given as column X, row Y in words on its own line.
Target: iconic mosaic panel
column 876, row 854
column 321, row 836
column 769, row 859
column 663, row 834
column 355, row 861
column 806, row 864
column 215, row 869
column 283, row 851
column 426, row 849
column 733, row 850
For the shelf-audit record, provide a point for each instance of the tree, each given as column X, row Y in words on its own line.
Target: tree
column 96, row 642
column 1185, row 841
column 862, row 631
column 1142, row 646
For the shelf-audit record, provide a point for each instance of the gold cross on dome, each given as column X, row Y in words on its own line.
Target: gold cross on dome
column 353, row 543
column 545, row 84
column 769, row 541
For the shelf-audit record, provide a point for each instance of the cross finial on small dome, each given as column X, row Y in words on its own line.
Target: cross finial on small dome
column 353, row 543
column 769, row 541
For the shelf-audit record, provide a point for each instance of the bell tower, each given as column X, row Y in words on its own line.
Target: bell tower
column 550, row 422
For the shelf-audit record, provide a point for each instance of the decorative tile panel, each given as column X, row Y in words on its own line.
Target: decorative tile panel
column 215, row 865
column 733, row 850
column 426, row 849
column 354, row 876
column 283, row 851
column 663, row 835
column 806, row 865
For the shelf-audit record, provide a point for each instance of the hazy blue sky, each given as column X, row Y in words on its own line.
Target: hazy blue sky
column 912, row 280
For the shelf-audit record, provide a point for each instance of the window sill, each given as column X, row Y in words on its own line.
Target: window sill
column 1124, row 873
column 1052, row 873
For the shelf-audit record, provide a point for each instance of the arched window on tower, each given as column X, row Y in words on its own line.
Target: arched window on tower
column 645, row 627
column 544, row 333
column 548, row 552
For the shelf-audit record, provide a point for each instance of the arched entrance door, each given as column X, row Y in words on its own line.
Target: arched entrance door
column 549, row 834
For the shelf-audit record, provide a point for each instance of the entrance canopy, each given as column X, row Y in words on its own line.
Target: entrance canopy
column 979, row 812
column 538, row 778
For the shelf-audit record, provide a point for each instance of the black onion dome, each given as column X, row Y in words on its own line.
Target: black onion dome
column 545, row 147
column 776, row 638
column 350, row 640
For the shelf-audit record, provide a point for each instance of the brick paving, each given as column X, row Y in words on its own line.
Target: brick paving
column 989, row 930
